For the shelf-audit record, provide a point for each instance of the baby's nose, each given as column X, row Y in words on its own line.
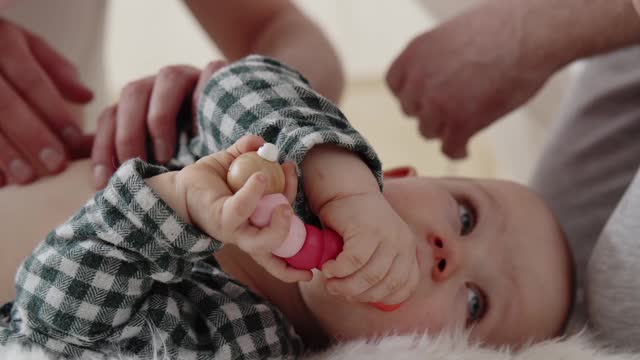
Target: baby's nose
column 446, row 256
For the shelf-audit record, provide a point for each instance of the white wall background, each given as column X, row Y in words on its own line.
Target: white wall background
column 367, row 37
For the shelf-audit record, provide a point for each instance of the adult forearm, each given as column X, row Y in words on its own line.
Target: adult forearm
column 275, row 28
column 297, row 41
column 559, row 32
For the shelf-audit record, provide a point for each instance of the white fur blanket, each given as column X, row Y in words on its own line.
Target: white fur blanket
column 439, row 348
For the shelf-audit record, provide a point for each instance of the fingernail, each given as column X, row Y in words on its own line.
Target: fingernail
column 51, row 159
column 100, row 176
column 20, row 170
column 163, row 153
column 71, row 134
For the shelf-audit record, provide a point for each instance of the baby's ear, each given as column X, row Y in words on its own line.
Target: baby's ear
column 400, row 172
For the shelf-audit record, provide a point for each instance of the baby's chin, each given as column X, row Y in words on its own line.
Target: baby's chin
column 338, row 317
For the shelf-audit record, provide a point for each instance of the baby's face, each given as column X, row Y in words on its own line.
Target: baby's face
column 492, row 259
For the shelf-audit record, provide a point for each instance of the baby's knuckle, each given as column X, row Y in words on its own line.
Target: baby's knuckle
column 393, row 285
column 354, row 260
column 372, row 277
column 249, row 247
column 238, row 211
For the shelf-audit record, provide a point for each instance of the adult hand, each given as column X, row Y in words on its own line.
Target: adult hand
column 37, row 130
column 468, row 72
column 148, row 108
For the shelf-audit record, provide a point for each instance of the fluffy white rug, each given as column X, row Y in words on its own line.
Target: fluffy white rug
column 440, row 348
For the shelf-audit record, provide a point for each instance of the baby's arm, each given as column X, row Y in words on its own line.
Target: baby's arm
column 378, row 263
column 199, row 193
column 94, row 278
column 89, row 278
column 261, row 96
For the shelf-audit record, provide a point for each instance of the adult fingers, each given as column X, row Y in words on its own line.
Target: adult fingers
column 131, row 131
column 82, row 149
column 20, row 68
column 205, row 75
column 411, row 93
column 431, row 123
column 41, row 149
column 454, row 142
column 397, row 73
column 61, row 71
column 13, row 165
column 172, row 86
column 103, row 155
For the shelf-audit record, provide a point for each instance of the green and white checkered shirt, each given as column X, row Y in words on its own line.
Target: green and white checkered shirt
column 126, row 275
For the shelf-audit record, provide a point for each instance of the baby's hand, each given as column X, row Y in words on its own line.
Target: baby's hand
column 211, row 205
column 378, row 263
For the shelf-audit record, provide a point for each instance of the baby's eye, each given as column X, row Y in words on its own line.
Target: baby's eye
column 467, row 218
column 476, row 304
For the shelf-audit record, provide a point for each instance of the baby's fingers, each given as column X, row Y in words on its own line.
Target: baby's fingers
column 401, row 281
column 355, row 255
column 221, row 160
column 369, row 276
column 281, row 270
column 238, row 208
column 258, row 242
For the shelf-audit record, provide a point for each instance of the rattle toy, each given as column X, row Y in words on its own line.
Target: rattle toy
column 306, row 246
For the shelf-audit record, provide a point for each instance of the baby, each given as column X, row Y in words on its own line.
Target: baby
column 142, row 266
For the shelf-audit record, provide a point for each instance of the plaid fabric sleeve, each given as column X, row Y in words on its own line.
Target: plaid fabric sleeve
column 259, row 95
column 91, row 274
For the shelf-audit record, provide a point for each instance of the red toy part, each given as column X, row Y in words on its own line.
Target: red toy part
column 319, row 246
column 386, row 307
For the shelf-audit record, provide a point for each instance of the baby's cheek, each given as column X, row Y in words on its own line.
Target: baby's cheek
column 421, row 317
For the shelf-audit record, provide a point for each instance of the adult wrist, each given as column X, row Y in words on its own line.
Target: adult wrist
column 569, row 30
column 542, row 45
